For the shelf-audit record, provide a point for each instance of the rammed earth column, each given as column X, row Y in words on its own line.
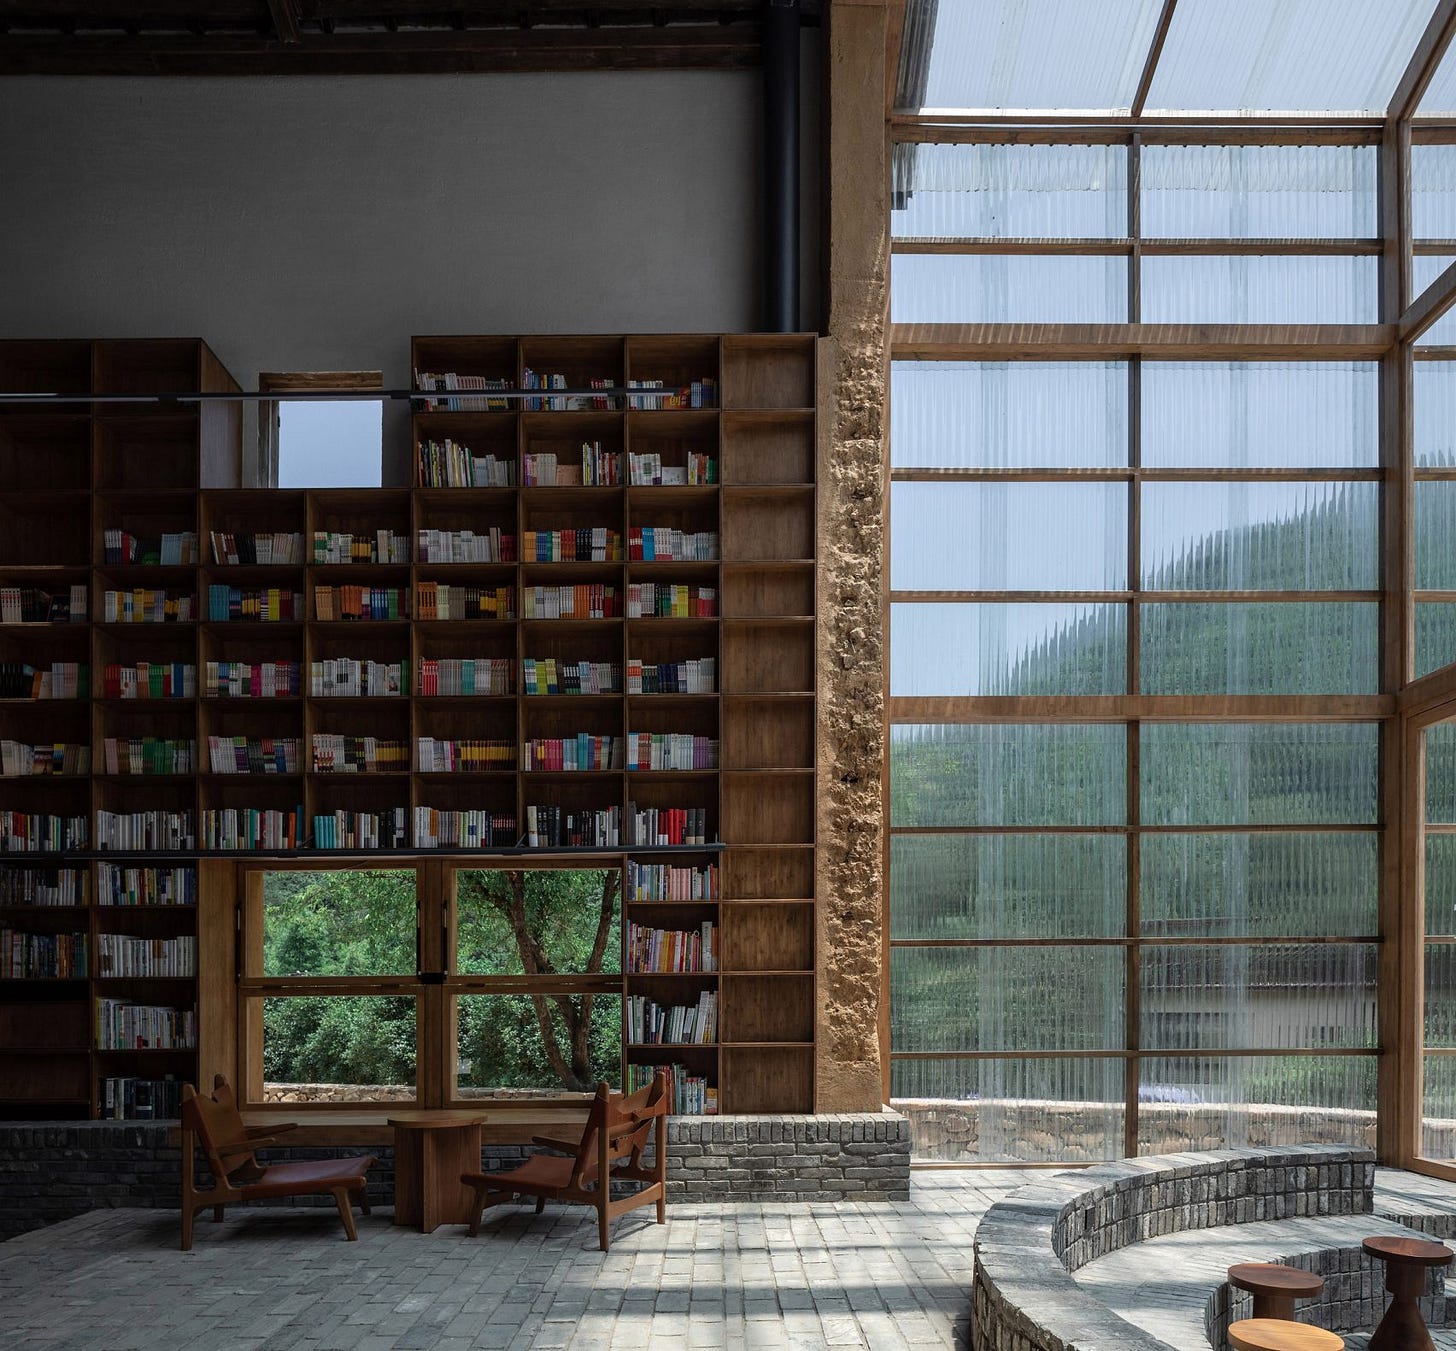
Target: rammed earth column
column 852, row 673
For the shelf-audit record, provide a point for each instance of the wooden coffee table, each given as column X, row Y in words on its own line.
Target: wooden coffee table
column 431, row 1150
column 1406, row 1260
column 1274, row 1287
column 1274, row 1334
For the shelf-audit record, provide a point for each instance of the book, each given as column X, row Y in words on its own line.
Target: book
column 59, row 680
column 491, row 545
column 253, row 755
column 361, row 830
column 337, row 753
column 251, row 680
column 20, row 759
column 249, row 828
column 145, row 830
column 671, row 751
column 362, row 603
column 377, row 546
column 146, row 606
column 124, row 1026
column 278, row 548
column 122, row 955
column 460, row 677
column 352, row 678
column 658, row 882
column 697, row 675
column 40, row 832
column 436, row 755
column 671, row 600
column 263, row 605
column 568, row 754
column 664, row 544
column 43, row 886
column 148, row 755
column 440, row 828
column 45, row 956
column 150, row 680
column 129, row 886
column 552, row 827
column 659, row 950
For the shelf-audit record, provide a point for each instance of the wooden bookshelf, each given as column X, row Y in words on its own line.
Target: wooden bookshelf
column 71, row 473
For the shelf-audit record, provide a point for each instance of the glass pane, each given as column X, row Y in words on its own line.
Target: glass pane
column 1008, row 886
column 942, row 288
column 1440, row 994
column 339, row 1048
column 1008, row 774
column 1436, row 536
column 330, row 443
column 1441, row 884
column 1004, row 414
column 1008, row 191
column 1238, row 1102
column 1267, row 885
column 355, row 922
column 1425, row 268
column 1258, row 191
column 1433, row 181
column 1009, row 54
column 1438, row 1106
column 1260, row 536
column 1008, row 536
column 1440, row 757
column 1259, row 289
column 1006, row 999
column 1434, row 413
column 1011, row 1111
column 1252, row 415
column 1259, row 774
column 500, row 1051
column 1435, row 636
column 1286, row 55
column 571, row 915
column 1281, row 647
column 1211, row 997
column 1036, row 648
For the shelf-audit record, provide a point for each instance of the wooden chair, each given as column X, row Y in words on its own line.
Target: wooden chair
column 237, row 1174
column 610, row 1148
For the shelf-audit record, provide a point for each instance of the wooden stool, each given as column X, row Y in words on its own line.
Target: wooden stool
column 1406, row 1260
column 1274, row 1287
column 1275, row 1334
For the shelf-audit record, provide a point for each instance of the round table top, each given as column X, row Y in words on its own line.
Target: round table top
column 1272, row 1278
column 1415, row 1251
column 1275, row 1334
column 429, row 1121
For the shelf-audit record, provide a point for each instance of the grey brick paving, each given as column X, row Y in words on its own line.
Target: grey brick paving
column 716, row 1277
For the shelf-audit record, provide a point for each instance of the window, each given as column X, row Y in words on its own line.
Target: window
column 320, row 442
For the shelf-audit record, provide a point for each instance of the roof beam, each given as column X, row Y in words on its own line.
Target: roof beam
column 1155, row 50
column 1424, row 60
column 1430, row 305
column 1032, row 342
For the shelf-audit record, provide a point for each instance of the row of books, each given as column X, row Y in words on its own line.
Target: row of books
column 439, row 600
column 253, row 754
column 173, row 549
column 43, row 886
column 129, row 1099
column 439, row 829
column 342, row 546
column 362, row 830
column 658, row 600
column 595, row 544
column 470, row 403
column 30, row 605
column 129, row 886
column 252, row 828
column 697, row 675
column 28, row 956
column 547, row 675
column 263, row 605
column 656, row 882
column 40, row 832
column 566, row 403
column 19, row 759
column 348, row 678
column 671, row 751
column 360, row 602
column 650, row 1024
column 145, row 830
column 251, row 679
column 492, row 545
column 646, row 469
column 457, row 676
column 667, row 825
column 556, row 828
column 569, row 754
column 335, row 753
column 280, row 547
column 588, row 600
column 688, row 1094
column 435, row 755
column 448, row 464
column 59, row 680
column 664, row 544
column 121, row 955
column 124, row 1026
column 656, row 950
column 148, row 755
column 698, row 394
column 150, row 680
column 146, row 605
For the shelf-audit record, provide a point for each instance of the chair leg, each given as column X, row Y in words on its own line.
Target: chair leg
column 604, row 1237
column 364, row 1201
column 540, row 1204
column 662, row 1206
column 477, row 1207
column 187, row 1214
column 341, row 1196
column 217, row 1214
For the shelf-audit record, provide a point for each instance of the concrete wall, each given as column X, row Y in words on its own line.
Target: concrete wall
column 316, row 224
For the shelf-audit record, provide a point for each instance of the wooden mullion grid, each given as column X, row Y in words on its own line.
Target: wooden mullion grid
column 979, row 708
column 988, row 126
column 1262, row 1053
column 1217, row 828
column 1148, row 940
column 1130, row 594
column 1133, row 245
column 1113, row 341
column 1123, row 473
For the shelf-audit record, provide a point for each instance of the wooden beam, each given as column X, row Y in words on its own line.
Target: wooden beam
column 1423, row 63
column 993, row 118
column 284, row 14
column 1012, row 342
column 1142, row 707
column 1173, row 133
column 1155, row 50
column 1429, row 306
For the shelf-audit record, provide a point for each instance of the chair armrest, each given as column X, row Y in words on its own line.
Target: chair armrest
column 565, row 1146
column 244, row 1146
column 258, row 1132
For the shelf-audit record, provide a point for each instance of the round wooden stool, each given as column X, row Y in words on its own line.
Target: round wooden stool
column 1406, row 1260
column 1275, row 1334
column 1274, row 1287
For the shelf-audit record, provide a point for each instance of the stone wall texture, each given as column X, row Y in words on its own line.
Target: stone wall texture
column 50, row 1171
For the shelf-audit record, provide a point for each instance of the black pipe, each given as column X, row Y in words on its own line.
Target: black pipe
column 781, row 165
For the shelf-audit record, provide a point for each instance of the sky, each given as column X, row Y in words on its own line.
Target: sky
column 330, row 444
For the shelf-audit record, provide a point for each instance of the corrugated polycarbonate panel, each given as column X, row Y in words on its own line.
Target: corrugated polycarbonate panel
column 1433, row 189
column 1008, row 774
column 1262, row 415
column 1023, row 54
column 940, row 288
column 1260, row 289
column 1439, row 742
column 1008, row 191
column 1440, row 883
column 1436, row 536
column 1035, row 648
column 1440, row 995
column 1434, row 414
column 1258, row 191
column 1268, row 884
column 1259, row 774
column 1007, row 886
column 1438, row 1106
column 1435, row 636
column 1233, row 1102
column 1425, row 268
column 1440, row 96
column 1260, row 536
column 1008, row 414
column 979, row 536
column 1260, row 56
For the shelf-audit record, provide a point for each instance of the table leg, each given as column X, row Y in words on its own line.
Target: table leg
column 1275, row 1306
column 408, row 1178
column 1403, row 1328
column 446, row 1154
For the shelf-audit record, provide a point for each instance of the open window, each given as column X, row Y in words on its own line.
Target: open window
column 335, row 440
